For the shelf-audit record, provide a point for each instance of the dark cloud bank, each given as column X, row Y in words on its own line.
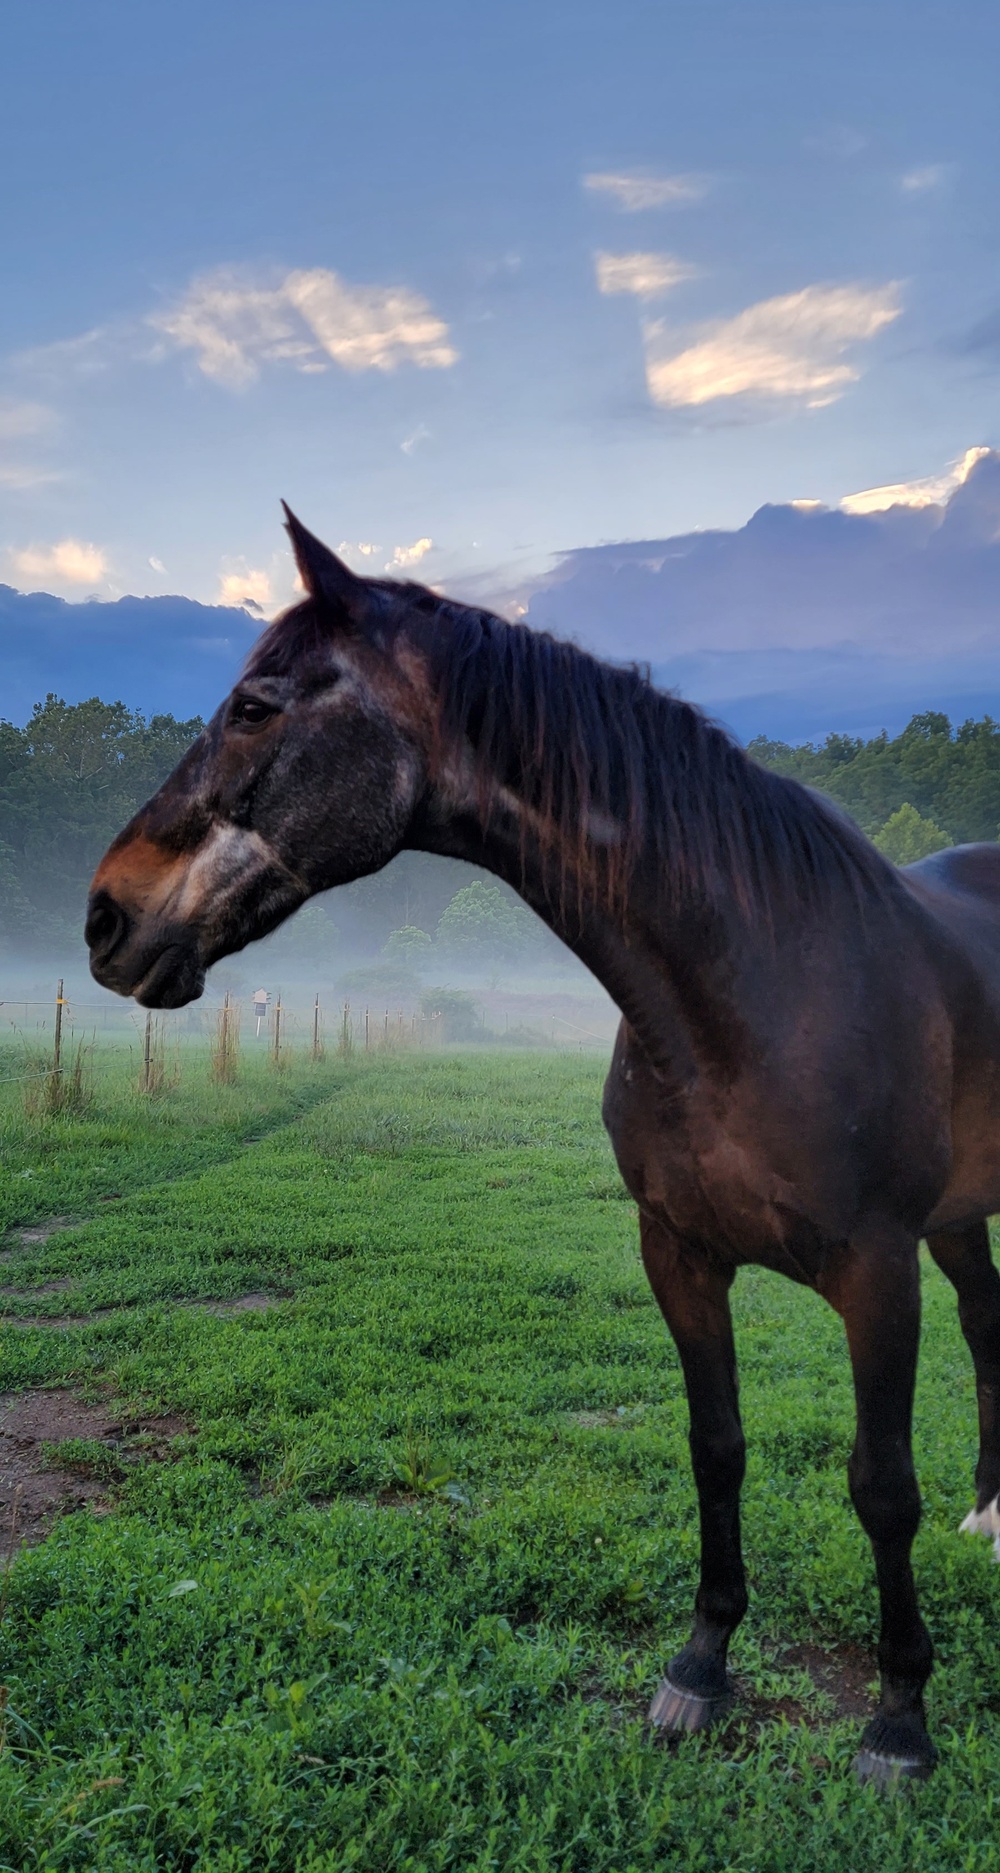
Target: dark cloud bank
column 162, row 655
column 806, row 619
column 803, row 621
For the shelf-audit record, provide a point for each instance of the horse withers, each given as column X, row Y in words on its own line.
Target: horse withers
column 807, row 1072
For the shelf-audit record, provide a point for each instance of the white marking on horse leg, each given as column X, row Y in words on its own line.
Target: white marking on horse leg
column 985, row 1522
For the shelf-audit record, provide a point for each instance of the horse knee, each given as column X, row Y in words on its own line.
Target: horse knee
column 886, row 1501
column 719, row 1460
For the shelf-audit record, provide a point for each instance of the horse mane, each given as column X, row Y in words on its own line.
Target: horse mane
column 616, row 773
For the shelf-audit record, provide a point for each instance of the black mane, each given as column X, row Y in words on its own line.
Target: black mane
column 591, row 746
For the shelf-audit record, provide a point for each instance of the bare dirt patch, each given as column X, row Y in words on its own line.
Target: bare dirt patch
column 32, row 1477
column 58, row 1322
column 13, row 1245
column 844, row 1673
column 222, row 1310
column 44, row 1287
column 241, row 1304
column 40, row 1232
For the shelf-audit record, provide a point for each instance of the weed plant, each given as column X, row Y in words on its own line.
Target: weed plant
column 401, row 1599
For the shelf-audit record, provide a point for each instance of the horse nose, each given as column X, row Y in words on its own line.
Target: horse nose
column 106, row 927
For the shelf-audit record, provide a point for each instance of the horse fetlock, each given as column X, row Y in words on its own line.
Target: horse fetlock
column 701, row 1667
column 985, row 1521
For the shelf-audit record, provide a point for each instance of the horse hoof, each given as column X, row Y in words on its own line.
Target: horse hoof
column 888, row 1772
column 985, row 1522
column 894, row 1750
column 677, row 1711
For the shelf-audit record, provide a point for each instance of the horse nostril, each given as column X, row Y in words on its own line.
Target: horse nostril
column 106, row 925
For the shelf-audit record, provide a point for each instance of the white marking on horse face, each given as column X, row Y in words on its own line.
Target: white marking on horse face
column 985, row 1522
column 226, row 855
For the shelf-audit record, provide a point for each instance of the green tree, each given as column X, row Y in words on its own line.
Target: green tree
column 69, row 781
column 951, row 777
column 459, row 1014
column 907, row 836
column 482, row 924
column 408, row 945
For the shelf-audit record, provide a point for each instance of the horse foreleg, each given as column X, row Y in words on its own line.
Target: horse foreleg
column 694, row 1298
column 875, row 1286
column 964, row 1256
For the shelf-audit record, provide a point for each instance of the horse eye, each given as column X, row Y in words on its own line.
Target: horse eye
column 252, row 711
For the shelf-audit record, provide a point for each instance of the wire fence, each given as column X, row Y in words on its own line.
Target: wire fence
column 49, row 1031
column 58, row 1036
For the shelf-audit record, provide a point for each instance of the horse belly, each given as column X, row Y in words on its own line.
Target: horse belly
column 973, row 1187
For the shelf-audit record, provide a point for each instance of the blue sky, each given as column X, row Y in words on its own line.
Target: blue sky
column 505, row 281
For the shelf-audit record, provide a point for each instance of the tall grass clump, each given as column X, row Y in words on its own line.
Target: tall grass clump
column 225, row 1045
column 57, row 1091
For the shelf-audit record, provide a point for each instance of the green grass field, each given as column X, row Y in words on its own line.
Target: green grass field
column 399, row 1595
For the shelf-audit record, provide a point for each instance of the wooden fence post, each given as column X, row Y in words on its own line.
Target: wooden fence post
column 57, row 1049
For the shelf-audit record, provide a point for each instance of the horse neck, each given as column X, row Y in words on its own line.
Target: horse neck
column 669, row 973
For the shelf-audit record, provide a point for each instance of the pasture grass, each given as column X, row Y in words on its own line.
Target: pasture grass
column 401, row 1595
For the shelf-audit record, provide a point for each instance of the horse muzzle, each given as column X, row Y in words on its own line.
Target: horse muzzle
column 161, row 966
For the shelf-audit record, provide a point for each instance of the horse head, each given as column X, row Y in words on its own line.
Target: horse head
column 306, row 777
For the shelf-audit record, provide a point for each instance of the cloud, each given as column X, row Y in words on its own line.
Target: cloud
column 787, row 348
column 930, row 491
column 83, row 356
column 249, row 589
column 21, row 423
column 409, row 443
column 16, row 475
column 635, row 190
column 408, row 555
column 921, row 181
column 308, row 320
column 366, row 548
column 68, row 562
column 19, row 420
column 157, row 564
column 645, row 275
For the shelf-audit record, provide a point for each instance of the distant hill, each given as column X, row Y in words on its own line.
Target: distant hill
column 807, row 619
column 162, row 655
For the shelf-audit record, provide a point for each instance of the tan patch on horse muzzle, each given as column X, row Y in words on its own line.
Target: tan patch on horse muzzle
column 139, row 875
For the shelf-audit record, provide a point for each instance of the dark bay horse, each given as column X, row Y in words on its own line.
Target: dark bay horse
column 807, row 1073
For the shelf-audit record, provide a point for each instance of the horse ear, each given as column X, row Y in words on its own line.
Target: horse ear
column 322, row 573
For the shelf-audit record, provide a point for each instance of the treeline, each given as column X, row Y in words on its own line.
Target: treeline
column 950, row 777
column 69, row 781
column 71, row 778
